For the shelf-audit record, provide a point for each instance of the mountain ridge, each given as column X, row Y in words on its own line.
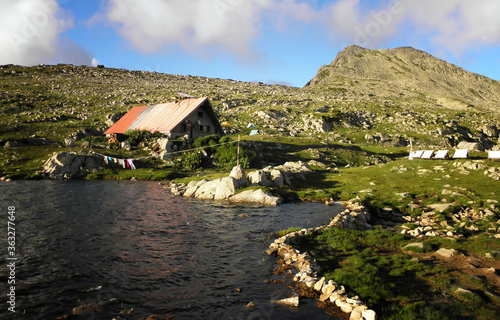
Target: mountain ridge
column 406, row 71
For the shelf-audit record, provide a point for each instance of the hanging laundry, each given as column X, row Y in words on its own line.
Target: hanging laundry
column 106, row 160
column 121, row 163
column 131, row 163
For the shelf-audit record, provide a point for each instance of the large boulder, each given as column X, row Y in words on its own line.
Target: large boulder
column 471, row 146
column 111, row 119
column 259, row 177
column 226, row 187
column 239, row 174
column 316, row 124
column 490, row 131
column 278, row 178
column 280, row 175
column 166, row 148
column 207, row 190
column 291, row 171
column 69, row 165
column 257, row 196
column 218, row 189
column 192, row 187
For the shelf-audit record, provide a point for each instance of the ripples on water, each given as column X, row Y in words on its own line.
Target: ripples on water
column 87, row 242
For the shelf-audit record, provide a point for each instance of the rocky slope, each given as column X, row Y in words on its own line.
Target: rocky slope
column 407, row 72
column 375, row 97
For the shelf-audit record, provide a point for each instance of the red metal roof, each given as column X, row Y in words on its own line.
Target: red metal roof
column 161, row 117
column 124, row 123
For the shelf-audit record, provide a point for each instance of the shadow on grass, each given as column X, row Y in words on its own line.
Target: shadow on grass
column 334, row 154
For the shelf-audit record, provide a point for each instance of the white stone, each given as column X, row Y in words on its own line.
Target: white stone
column 226, row 188
column 344, row 306
column 292, row 302
column 207, row 190
column 355, row 302
column 328, row 288
column 239, row 174
column 418, row 245
column 278, row 178
column 369, row 315
column 333, row 297
column 319, row 285
column 258, row 177
column 462, row 291
column 69, row 142
column 357, row 313
column 447, row 253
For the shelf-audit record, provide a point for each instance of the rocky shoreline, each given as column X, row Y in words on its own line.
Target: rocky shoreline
column 227, row 188
column 306, row 270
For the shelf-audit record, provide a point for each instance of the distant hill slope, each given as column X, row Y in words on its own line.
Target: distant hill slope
column 408, row 73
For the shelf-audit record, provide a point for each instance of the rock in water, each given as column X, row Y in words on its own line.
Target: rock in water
column 225, row 188
column 257, row 196
column 291, row 302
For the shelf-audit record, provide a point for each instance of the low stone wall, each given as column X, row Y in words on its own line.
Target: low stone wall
column 355, row 216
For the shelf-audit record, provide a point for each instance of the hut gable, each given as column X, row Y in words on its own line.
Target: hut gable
column 192, row 117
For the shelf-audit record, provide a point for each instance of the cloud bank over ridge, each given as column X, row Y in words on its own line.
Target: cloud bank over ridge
column 33, row 31
column 233, row 25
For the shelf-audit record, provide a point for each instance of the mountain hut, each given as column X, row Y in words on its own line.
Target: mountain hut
column 191, row 118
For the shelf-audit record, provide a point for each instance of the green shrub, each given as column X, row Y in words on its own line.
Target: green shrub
column 191, row 160
column 227, row 155
column 206, row 141
column 135, row 137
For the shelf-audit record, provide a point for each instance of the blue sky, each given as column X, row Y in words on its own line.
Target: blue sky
column 272, row 41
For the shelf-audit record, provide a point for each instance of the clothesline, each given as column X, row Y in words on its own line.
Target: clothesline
column 125, row 163
column 134, row 159
column 199, row 148
column 129, row 163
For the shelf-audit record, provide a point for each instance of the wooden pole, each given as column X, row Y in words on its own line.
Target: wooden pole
column 238, row 154
column 327, row 134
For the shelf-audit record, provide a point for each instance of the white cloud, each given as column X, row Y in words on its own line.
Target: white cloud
column 459, row 24
column 196, row 25
column 455, row 25
column 30, row 34
column 204, row 27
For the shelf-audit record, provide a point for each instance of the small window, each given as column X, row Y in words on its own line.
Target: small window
column 200, row 114
column 201, row 128
column 208, row 128
column 183, row 127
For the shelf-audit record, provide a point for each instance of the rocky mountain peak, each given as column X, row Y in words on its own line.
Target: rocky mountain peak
column 408, row 72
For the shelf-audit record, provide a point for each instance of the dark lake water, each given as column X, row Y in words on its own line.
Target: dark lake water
column 85, row 242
